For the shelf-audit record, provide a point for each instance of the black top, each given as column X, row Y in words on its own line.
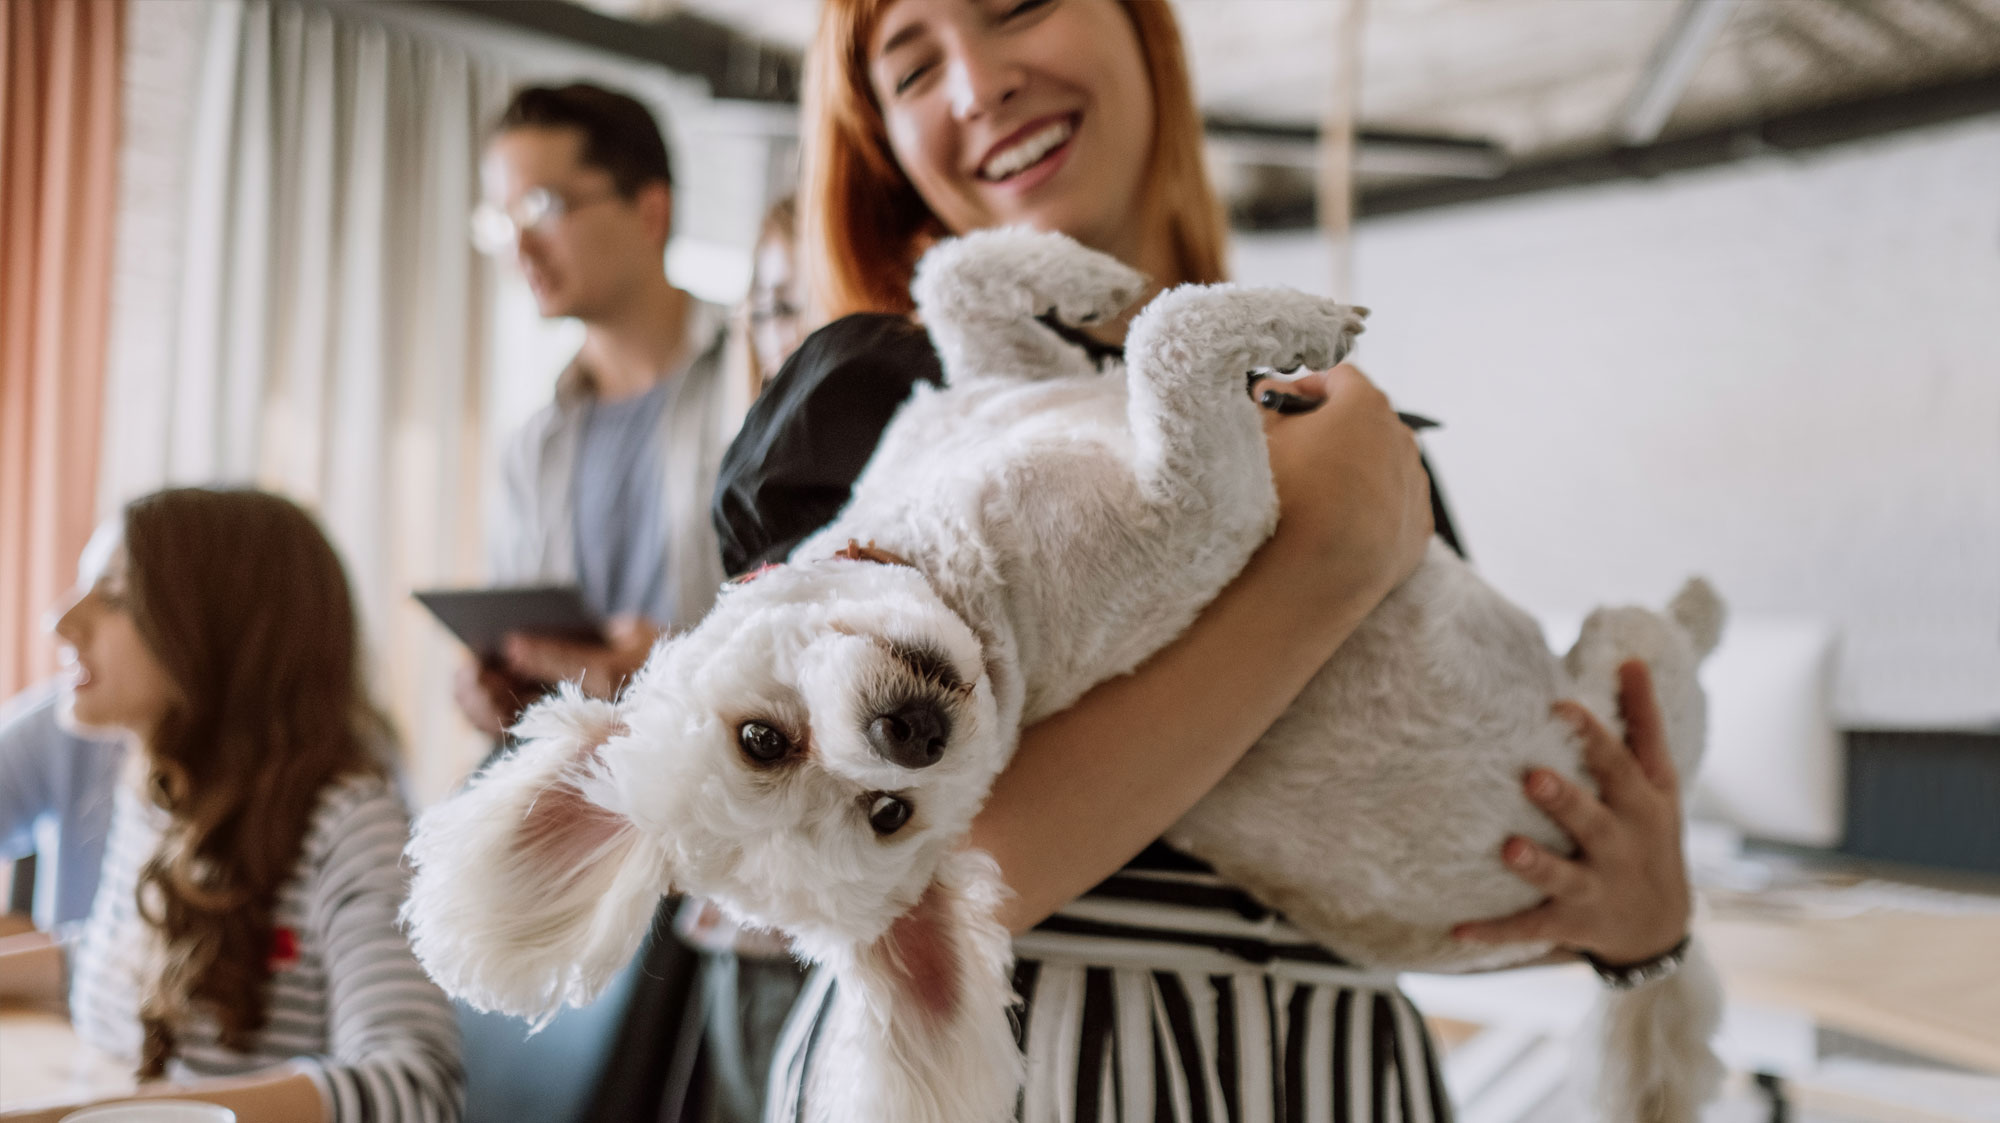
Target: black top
column 794, row 462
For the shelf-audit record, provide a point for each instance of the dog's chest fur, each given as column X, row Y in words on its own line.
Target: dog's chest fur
column 1018, row 500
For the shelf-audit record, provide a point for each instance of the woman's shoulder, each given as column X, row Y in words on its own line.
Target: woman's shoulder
column 856, row 354
column 361, row 809
column 791, row 466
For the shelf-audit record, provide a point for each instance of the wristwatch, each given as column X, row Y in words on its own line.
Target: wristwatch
column 1633, row 975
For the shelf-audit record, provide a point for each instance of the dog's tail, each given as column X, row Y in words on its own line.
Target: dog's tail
column 1656, row 1065
column 1698, row 609
column 529, row 893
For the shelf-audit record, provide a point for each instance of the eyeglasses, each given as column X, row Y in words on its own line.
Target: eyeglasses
column 778, row 309
column 495, row 227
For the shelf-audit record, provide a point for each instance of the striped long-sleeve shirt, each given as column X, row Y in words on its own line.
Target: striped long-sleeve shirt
column 347, row 1002
column 1166, row 995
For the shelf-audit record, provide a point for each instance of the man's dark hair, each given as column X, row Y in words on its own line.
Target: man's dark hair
column 619, row 134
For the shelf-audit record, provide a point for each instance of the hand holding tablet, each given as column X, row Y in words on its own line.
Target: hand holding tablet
column 483, row 618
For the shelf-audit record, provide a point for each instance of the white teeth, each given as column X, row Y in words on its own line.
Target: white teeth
column 1024, row 155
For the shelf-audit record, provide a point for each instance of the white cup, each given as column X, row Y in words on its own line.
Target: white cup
column 152, row 1111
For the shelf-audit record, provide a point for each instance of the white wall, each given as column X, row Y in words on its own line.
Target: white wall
column 1784, row 373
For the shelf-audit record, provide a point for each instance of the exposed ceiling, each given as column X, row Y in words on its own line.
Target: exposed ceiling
column 1539, row 77
column 1532, row 92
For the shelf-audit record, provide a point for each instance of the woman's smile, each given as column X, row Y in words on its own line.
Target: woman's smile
column 1031, row 154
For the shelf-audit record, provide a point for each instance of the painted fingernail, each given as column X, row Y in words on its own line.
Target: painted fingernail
column 1519, row 855
column 1542, row 785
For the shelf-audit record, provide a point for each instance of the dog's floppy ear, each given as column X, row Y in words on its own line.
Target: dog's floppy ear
column 528, row 892
column 922, row 1011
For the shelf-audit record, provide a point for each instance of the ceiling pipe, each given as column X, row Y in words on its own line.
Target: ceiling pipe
column 1673, row 65
column 1339, row 145
column 1379, row 152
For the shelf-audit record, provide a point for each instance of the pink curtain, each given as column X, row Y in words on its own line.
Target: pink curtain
column 59, row 100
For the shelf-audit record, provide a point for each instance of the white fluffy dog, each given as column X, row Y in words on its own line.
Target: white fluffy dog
column 810, row 756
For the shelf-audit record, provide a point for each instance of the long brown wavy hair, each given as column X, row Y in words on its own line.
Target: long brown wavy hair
column 243, row 601
column 863, row 226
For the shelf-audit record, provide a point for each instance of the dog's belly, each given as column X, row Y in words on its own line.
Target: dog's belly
column 1372, row 814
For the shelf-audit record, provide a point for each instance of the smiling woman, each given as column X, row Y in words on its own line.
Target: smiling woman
column 1152, row 987
column 982, row 107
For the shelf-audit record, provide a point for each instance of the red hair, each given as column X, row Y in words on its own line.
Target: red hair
column 863, row 226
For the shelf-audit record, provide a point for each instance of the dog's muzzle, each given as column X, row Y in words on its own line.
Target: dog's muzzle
column 913, row 736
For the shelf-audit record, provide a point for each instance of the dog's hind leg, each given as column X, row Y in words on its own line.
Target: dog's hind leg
column 1199, row 437
column 983, row 298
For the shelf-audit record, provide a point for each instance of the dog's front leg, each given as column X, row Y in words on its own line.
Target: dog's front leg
column 1198, row 436
column 984, row 299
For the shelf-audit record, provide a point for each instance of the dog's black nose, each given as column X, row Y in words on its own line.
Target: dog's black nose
column 912, row 736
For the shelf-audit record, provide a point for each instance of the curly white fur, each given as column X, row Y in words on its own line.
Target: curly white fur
column 1059, row 525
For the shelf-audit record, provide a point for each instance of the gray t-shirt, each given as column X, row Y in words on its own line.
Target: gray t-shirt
column 620, row 508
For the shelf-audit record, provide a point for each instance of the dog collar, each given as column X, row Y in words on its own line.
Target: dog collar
column 853, row 551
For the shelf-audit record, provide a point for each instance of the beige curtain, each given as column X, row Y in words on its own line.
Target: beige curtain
column 328, row 336
column 59, row 87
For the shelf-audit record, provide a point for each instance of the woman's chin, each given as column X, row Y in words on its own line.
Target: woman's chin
column 80, row 714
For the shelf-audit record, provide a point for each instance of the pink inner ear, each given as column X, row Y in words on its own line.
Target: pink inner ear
column 564, row 832
column 919, row 948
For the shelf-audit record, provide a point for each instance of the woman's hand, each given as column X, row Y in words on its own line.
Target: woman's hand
column 491, row 699
column 1624, row 896
column 601, row 669
column 1352, row 493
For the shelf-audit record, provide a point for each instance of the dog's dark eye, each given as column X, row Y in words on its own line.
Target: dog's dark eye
column 762, row 743
column 887, row 814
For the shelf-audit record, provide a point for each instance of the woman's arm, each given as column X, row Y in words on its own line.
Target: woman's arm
column 1092, row 786
column 393, row 1045
column 274, row 1095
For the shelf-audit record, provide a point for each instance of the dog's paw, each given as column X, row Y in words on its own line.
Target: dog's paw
column 1265, row 328
column 1016, row 273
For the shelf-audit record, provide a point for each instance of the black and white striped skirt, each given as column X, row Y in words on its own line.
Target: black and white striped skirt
column 1167, row 995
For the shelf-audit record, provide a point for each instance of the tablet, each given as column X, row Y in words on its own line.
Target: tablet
column 481, row 618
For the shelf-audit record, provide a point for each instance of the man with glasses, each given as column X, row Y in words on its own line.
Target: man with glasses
column 607, row 487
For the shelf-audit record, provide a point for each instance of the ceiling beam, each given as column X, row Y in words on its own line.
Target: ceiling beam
column 1902, row 39
column 1798, row 132
column 1379, row 151
column 735, row 65
column 1978, row 22
column 1673, row 64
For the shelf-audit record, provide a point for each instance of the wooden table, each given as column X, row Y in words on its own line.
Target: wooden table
column 1928, row 984
column 42, row 1062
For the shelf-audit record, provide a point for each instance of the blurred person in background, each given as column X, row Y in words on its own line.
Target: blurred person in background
column 243, row 944
column 55, row 805
column 605, row 487
column 776, row 314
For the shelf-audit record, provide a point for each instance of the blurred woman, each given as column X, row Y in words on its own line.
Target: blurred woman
column 777, row 315
column 243, row 942
column 771, row 321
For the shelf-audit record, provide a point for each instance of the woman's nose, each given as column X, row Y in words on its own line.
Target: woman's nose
column 980, row 80
column 64, row 621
